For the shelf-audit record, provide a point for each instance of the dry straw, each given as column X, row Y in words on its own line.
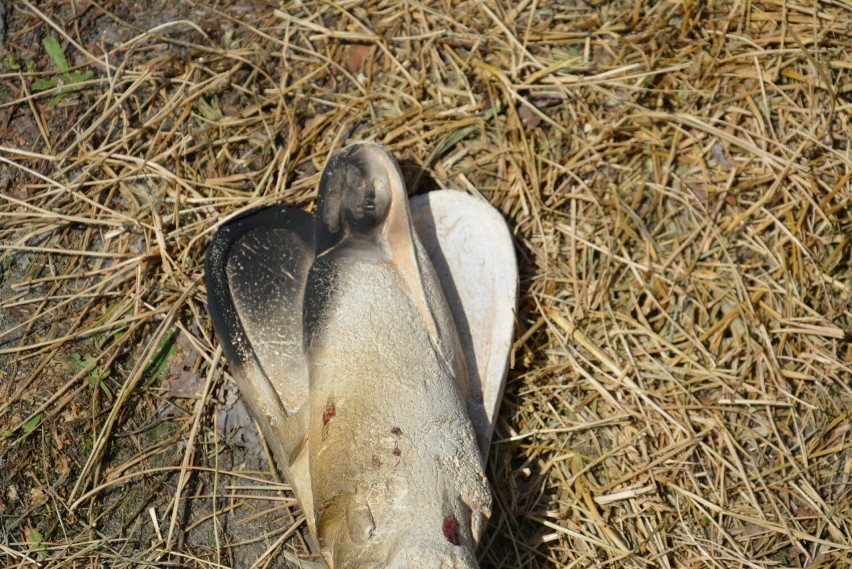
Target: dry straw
column 678, row 179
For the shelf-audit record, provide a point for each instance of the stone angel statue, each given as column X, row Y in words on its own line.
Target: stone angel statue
column 370, row 342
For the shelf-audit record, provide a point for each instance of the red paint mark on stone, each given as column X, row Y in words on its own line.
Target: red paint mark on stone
column 450, row 528
column 397, row 451
column 329, row 413
column 396, row 431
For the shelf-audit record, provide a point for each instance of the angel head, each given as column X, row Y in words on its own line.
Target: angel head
column 358, row 189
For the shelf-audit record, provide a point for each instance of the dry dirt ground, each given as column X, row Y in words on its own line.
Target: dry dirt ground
column 678, row 179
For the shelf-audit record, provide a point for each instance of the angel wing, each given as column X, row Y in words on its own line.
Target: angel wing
column 255, row 272
column 471, row 249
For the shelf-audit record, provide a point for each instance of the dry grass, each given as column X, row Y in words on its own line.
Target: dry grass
column 678, row 179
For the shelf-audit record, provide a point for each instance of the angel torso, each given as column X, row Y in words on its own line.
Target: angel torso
column 372, row 365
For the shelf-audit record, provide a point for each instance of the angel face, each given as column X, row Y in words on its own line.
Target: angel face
column 356, row 194
column 366, row 197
